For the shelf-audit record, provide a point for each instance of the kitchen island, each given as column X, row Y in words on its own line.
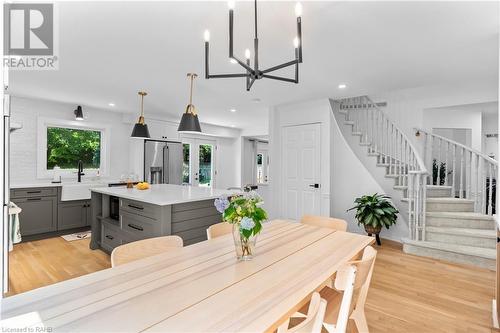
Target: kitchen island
column 121, row 215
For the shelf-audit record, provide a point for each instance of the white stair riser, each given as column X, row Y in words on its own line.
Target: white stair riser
column 450, row 207
column 438, row 192
column 459, row 223
column 469, row 240
column 450, row 256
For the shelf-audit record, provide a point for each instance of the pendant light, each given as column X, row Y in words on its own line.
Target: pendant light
column 78, row 113
column 140, row 128
column 189, row 120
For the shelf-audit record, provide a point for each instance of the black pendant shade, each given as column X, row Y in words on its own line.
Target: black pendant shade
column 140, row 131
column 78, row 113
column 140, row 128
column 189, row 121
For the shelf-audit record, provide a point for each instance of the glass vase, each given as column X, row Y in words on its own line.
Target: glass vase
column 245, row 247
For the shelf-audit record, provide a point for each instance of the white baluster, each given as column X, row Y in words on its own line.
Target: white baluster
column 482, row 188
column 446, row 164
column 469, row 177
column 490, row 189
column 477, row 199
column 453, row 172
column 462, row 173
column 438, row 162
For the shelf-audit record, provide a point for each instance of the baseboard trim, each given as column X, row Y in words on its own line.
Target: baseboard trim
column 392, row 243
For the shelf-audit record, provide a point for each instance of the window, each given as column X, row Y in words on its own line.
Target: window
column 186, row 167
column 262, row 166
column 67, row 146
column 63, row 143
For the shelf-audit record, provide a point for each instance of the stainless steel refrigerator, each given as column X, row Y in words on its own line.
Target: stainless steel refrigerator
column 163, row 162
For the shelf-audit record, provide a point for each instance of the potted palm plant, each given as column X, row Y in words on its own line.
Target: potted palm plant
column 374, row 212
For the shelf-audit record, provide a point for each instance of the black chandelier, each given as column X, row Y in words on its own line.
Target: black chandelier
column 256, row 73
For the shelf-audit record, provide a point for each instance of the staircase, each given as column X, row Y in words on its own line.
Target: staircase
column 444, row 195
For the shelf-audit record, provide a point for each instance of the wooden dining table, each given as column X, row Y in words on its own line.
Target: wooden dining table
column 197, row 288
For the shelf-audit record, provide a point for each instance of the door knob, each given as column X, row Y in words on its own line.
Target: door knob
column 314, row 185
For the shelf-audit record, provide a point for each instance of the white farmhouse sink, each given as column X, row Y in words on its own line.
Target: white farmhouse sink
column 78, row 191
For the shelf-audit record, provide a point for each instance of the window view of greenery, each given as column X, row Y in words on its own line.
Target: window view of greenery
column 185, row 164
column 260, row 173
column 205, row 165
column 67, row 146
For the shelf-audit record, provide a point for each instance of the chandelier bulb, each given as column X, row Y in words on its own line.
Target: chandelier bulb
column 230, row 4
column 296, row 42
column 298, row 9
column 247, row 53
column 206, row 35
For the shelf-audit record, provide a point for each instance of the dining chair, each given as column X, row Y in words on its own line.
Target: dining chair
column 143, row 248
column 315, row 318
column 333, row 294
column 312, row 322
column 219, row 229
column 324, row 222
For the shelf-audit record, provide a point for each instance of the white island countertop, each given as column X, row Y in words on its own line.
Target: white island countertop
column 165, row 194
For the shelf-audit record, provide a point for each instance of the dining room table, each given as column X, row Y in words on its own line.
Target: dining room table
column 197, row 288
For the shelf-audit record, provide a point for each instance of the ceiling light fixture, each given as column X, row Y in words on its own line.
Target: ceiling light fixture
column 255, row 73
column 342, row 86
column 111, row 104
column 140, row 128
column 189, row 120
column 78, row 113
column 232, row 110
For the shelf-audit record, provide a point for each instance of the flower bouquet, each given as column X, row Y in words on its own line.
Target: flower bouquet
column 246, row 215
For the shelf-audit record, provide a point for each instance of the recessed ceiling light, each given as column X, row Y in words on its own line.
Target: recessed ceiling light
column 233, row 126
column 111, row 104
column 232, row 110
column 233, row 61
column 342, row 86
column 256, row 100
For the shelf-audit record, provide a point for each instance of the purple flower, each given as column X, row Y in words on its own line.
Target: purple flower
column 247, row 223
column 221, row 204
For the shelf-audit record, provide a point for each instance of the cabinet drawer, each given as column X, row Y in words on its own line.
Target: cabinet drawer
column 33, row 192
column 110, row 236
column 140, row 208
column 140, row 226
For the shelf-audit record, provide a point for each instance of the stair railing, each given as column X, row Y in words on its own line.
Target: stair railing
column 395, row 151
column 470, row 173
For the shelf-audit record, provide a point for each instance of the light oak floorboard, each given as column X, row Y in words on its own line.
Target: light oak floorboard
column 43, row 262
column 408, row 293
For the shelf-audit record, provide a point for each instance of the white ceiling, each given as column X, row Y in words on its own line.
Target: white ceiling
column 110, row 50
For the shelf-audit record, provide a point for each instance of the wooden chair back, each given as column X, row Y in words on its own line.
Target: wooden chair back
column 364, row 270
column 324, row 222
column 313, row 322
column 219, row 229
column 143, row 248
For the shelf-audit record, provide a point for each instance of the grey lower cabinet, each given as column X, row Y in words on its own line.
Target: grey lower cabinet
column 39, row 214
column 44, row 212
column 73, row 214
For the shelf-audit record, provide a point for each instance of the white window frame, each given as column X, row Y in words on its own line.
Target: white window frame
column 44, row 123
column 263, row 149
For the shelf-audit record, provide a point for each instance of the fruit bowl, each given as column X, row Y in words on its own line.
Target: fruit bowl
column 142, row 186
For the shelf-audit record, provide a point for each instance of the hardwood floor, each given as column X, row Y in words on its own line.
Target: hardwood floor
column 408, row 293
column 39, row 263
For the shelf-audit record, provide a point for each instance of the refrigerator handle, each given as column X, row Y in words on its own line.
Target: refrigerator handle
column 165, row 164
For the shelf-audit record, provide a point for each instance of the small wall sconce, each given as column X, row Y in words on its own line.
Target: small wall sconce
column 417, row 133
column 78, row 113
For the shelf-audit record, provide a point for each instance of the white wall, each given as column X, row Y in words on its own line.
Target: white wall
column 455, row 118
column 23, row 149
column 317, row 111
column 490, row 126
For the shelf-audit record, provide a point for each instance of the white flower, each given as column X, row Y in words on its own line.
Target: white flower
column 247, row 223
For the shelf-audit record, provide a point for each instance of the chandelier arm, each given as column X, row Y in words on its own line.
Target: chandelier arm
column 218, row 76
column 251, row 84
column 242, row 64
column 207, row 57
column 286, row 64
column 279, row 78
